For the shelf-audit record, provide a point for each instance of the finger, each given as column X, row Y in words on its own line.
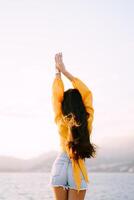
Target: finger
column 59, row 58
column 60, row 53
column 56, row 58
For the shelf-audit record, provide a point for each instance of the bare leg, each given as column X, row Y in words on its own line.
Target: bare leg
column 60, row 193
column 74, row 195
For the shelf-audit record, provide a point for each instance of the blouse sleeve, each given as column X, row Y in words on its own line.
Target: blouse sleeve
column 87, row 99
column 57, row 97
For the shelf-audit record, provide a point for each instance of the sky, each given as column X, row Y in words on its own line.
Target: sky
column 96, row 39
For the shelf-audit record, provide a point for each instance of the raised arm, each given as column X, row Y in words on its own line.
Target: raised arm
column 57, row 95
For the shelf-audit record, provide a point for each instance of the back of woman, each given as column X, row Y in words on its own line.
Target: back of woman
column 74, row 114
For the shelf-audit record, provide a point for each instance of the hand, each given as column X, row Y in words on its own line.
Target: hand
column 59, row 62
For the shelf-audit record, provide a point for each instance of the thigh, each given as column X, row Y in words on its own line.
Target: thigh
column 74, row 195
column 60, row 193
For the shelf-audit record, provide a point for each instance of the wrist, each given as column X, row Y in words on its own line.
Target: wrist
column 57, row 73
column 57, row 70
column 64, row 71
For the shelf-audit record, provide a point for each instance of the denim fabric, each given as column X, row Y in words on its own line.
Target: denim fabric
column 62, row 174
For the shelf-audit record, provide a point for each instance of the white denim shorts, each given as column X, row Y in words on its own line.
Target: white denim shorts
column 62, row 175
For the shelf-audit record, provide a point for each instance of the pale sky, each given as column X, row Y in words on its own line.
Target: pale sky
column 96, row 39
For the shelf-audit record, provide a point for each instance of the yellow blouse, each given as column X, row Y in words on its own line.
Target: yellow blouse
column 57, row 97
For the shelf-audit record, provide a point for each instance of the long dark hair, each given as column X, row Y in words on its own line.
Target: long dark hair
column 72, row 105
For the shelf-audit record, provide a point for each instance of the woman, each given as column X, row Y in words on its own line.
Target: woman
column 74, row 115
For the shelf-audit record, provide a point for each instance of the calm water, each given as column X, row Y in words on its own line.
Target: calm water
column 34, row 186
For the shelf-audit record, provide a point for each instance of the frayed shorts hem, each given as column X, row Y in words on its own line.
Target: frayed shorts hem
column 67, row 187
column 64, row 187
column 76, row 189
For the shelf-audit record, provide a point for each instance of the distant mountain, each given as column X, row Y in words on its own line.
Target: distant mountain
column 110, row 158
column 110, row 162
column 40, row 163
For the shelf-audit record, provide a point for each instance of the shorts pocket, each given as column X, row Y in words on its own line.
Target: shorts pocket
column 57, row 168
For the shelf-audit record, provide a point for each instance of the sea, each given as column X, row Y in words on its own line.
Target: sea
column 35, row 186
